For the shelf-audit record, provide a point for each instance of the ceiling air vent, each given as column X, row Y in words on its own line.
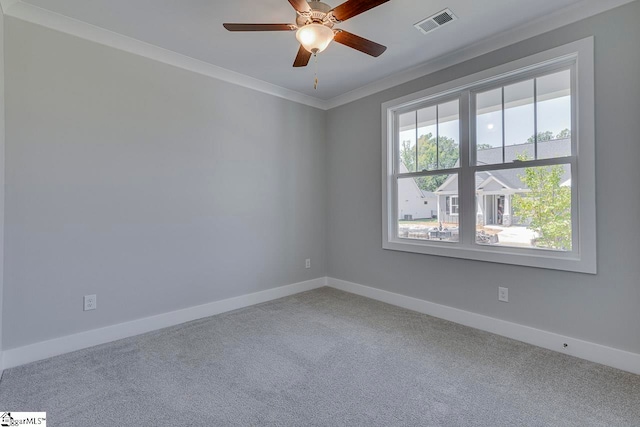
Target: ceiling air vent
column 439, row 19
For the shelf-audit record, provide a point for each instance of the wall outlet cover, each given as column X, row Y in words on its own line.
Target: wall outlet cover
column 90, row 302
column 503, row 294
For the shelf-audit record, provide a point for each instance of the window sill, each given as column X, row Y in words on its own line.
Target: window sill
column 537, row 258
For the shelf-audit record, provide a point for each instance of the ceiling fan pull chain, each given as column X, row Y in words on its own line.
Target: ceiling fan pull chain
column 315, row 72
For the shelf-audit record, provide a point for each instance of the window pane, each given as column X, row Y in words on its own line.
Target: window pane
column 489, row 127
column 554, row 115
column 407, row 142
column 428, row 208
column 438, row 136
column 525, row 207
column 448, row 134
column 427, row 133
column 519, row 115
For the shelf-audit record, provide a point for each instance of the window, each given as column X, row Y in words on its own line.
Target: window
column 507, row 158
column 452, row 205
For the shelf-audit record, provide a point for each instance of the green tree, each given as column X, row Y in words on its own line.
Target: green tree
column 565, row 133
column 547, row 205
column 548, row 136
column 430, row 156
column 542, row 136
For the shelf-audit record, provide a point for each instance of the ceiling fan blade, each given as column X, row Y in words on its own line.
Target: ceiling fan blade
column 359, row 43
column 303, row 57
column 260, row 27
column 351, row 8
column 300, row 5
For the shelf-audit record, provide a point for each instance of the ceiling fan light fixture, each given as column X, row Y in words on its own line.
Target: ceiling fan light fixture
column 315, row 37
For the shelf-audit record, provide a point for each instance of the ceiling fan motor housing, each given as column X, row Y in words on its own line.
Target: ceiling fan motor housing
column 318, row 14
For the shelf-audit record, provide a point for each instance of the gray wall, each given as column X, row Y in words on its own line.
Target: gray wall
column 159, row 189
column 2, row 141
column 603, row 308
column 153, row 187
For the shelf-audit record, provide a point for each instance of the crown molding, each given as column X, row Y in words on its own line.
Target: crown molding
column 36, row 15
column 55, row 21
column 568, row 15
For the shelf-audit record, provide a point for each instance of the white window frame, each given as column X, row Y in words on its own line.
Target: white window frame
column 582, row 257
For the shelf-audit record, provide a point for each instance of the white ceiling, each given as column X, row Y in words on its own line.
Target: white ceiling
column 194, row 28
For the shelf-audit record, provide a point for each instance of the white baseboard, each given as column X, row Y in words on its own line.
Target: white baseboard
column 616, row 358
column 45, row 349
column 609, row 356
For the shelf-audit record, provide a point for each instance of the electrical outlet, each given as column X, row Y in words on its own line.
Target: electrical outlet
column 503, row 294
column 90, row 302
column 307, row 263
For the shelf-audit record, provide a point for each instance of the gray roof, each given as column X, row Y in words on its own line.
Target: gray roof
column 428, row 194
column 546, row 150
column 509, row 177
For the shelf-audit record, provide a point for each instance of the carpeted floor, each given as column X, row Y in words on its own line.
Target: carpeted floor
column 322, row 358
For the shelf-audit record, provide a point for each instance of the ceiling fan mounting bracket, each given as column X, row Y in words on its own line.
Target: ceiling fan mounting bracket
column 319, row 14
column 331, row 18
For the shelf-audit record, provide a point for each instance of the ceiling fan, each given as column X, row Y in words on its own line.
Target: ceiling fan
column 314, row 25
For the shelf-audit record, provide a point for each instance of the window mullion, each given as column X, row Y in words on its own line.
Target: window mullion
column 503, row 127
column 527, row 164
column 437, row 137
column 451, row 171
column 535, row 118
column 466, row 181
column 417, row 168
